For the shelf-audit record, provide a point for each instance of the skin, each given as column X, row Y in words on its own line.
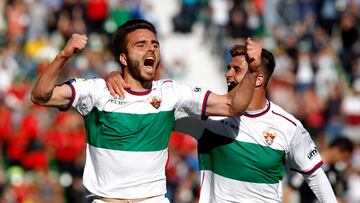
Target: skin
column 226, row 105
column 45, row 91
column 236, row 71
column 143, row 47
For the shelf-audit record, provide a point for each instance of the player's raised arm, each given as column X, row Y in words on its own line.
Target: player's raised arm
column 45, row 91
column 237, row 100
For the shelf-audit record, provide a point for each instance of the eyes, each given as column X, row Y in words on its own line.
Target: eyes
column 142, row 44
column 237, row 69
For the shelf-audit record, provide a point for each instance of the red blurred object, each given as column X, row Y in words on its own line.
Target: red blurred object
column 5, row 122
column 66, row 145
column 19, row 90
column 353, row 119
column 183, row 142
column 35, row 160
column 30, row 125
column 97, row 10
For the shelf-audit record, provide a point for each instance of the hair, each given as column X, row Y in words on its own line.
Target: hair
column 267, row 64
column 238, row 50
column 267, row 60
column 343, row 144
column 120, row 36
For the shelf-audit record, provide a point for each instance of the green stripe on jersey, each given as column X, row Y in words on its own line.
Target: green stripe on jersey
column 238, row 160
column 129, row 132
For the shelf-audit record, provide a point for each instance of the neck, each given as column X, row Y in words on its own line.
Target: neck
column 136, row 85
column 258, row 101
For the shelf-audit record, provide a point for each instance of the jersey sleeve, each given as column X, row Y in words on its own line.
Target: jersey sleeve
column 191, row 100
column 190, row 126
column 84, row 93
column 303, row 155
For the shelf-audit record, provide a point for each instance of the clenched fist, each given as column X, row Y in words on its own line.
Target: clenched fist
column 73, row 45
column 253, row 55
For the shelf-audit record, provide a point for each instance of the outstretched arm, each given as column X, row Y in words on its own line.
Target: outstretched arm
column 45, row 91
column 231, row 104
column 236, row 101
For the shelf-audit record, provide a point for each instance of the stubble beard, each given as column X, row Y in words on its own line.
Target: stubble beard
column 134, row 70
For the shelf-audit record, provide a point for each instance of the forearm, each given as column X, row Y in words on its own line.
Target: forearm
column 242, row 94
column 320, row 185
column 44, row 87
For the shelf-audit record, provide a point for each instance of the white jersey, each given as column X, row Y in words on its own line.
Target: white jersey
column 242, row 159
column 127, row 139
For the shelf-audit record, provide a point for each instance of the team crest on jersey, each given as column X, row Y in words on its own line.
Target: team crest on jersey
column 269, row 136
column 155, row 101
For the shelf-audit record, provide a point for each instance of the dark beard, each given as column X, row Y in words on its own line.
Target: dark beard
column 134, row 70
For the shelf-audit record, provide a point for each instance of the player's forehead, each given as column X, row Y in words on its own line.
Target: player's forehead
column 239, row 60
column 141, row 35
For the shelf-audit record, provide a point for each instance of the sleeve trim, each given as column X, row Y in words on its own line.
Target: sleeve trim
column 311, row 170
column 73, row 95
column 203, row 111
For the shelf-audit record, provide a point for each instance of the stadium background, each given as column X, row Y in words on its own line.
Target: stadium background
column 317, row 78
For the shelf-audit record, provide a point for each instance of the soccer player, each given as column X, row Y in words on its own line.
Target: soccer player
column 242, row 159
column 127, row 139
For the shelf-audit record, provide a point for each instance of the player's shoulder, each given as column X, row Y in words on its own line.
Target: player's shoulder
column 164, row 83
column 284, row 117
column 95, row 81
column 95, row 86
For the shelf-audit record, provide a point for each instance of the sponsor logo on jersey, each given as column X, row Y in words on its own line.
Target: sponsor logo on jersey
column 117, row 102
column 197, row 89
column 269, row 136
column 313, row 153
column 228, row 123
column 155, row 101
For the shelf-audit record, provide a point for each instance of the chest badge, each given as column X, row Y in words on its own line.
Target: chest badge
column 269, row 136
column 155, row 101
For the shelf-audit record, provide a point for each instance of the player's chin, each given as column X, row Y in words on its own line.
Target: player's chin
column 148, row 77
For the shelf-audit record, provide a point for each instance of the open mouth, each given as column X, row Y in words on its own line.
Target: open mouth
column 149, row 62
column 231, row 85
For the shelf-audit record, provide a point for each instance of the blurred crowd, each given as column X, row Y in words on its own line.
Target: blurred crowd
column 317, row 79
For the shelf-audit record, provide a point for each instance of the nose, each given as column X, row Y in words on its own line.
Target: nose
column 228, row 73
column 151, row 47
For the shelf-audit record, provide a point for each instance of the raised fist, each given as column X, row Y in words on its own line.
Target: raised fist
column 76, row 43
column 253, row 55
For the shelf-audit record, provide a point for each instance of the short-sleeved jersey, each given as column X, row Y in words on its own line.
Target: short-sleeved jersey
column 242, row 159
column 127, row 139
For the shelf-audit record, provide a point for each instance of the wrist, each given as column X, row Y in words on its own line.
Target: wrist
column 62, row 56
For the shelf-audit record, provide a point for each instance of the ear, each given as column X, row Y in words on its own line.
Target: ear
column 259, row 80
column 123, row 59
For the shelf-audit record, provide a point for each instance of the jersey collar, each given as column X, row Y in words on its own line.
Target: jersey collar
column 253, row 114
column 128, row 90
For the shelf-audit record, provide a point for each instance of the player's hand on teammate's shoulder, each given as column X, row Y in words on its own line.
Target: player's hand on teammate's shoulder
column 253, row 55
column 116, row 84
column 76, row 43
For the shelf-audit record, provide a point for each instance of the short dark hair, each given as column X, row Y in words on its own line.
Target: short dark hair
column 343, row 144
column 120, row 36
column 267, row 64
column 238, row 50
